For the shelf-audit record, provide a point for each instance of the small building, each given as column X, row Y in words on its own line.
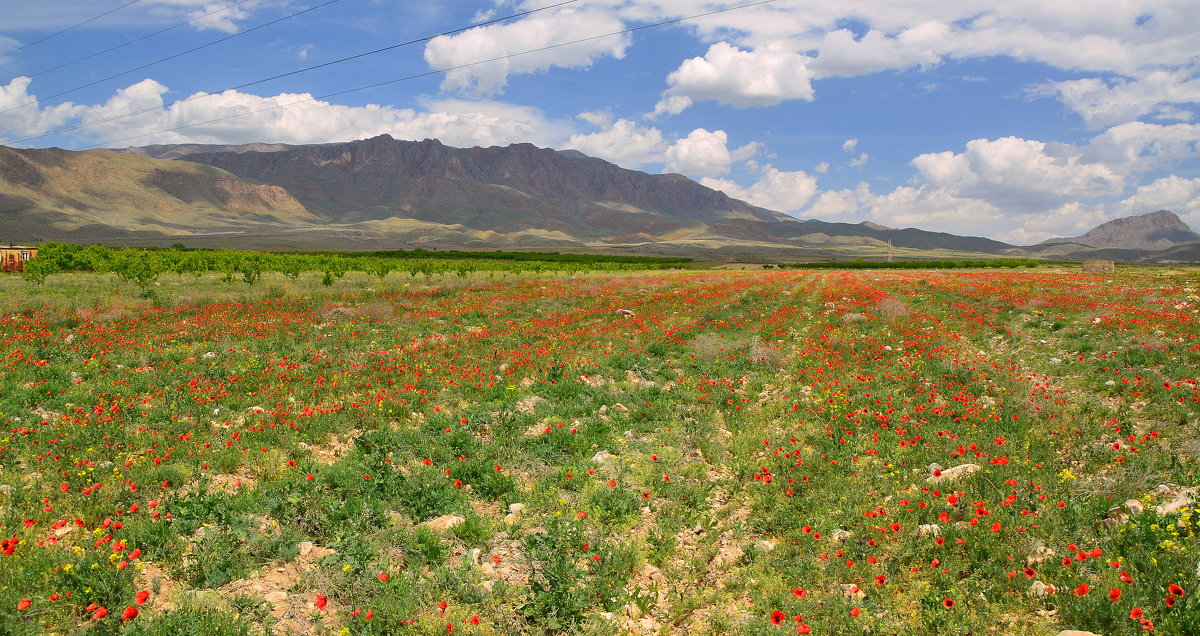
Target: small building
column 13, row 257
column 1099, row 267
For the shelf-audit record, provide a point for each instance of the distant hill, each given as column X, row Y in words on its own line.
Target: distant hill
column 518, row 188
column 384, row 193
column 1154, row 231
column 54, row 194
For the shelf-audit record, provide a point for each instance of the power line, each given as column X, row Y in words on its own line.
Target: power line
column 279, row 76
column 57, row 33
column 180, row 54
column 434, row 72
column 144, row 37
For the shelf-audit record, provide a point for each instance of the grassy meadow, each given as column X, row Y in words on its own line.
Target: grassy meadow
column 669, row 452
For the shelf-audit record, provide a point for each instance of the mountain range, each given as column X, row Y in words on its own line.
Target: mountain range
column 388, row 193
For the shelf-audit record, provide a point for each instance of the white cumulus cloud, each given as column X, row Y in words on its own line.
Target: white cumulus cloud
column 740, row 78
column 704, row 153
column 515, row 48
column 775, row 189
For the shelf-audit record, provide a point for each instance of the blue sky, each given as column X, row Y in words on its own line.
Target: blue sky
column 1017, row 120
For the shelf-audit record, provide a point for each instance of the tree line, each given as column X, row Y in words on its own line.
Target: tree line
column 143, row 265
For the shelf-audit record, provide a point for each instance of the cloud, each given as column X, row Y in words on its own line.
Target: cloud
column 21, row 119
column 1105, row 103
column 622, row 142
column 233, row 117
column 860, row 161
column 844, row 55
column 821, row 168
column 849, row 145
column 670, row 105
column 210, row 18
column 704, row 153
column 1177, row 194
column 729, row 75
column 1118, row 40
column 774, row 189
column 1011, row 171
column 1138, row 146
column 522, row 40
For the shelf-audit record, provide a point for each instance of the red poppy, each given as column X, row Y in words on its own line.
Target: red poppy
column 1175, row 590
column 383, row 577
column 24, row 604
column 100, row 613
column 130, row 613
column 141, row 597
column 1114, row 594
column 1030, row 573
column 803, row 629
column 321, row 602
column 474, row 620
column 799, row 593
column 855, row 612
column 1136, row 613
column 777, row 617
column 948, row 603
column 1082, row 590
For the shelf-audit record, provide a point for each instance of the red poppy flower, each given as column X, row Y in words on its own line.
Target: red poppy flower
column 130, row 613
column 1114, row 594
column 948, row 603
column 799, row 593
column 1175, row 590
column 474, row 620
column 1136, row 613
column 321, row 602
column 141, row 597
column 777, row 617
column 383, row 577
column 1170, row 601
column 24, row 604
column 803, row 629
column 100, row 613
column 855, row 612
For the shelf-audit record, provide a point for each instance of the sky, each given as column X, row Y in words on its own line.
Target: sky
column 1017, row 120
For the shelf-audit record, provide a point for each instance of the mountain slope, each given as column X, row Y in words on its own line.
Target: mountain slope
column 511, row 189
column 1154, row 231
column 52, row 193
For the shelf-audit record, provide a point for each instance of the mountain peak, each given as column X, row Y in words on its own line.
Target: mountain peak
column 1154, row 231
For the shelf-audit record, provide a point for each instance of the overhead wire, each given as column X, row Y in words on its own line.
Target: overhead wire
column 70, row 28
column 281, row 75
column 136, row 40
column 171, row 57
column 432, row 72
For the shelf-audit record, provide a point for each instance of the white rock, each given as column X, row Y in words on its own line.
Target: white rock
column 443, row 523
column 957, row 472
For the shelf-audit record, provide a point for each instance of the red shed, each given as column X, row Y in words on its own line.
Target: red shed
column 13, row 257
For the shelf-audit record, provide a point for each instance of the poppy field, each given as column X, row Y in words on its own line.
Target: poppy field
column 658, row 452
